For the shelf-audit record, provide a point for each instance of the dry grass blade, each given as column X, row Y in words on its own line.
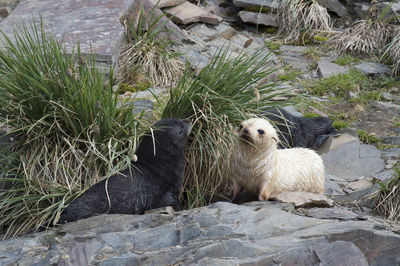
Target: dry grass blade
column 393, row 52
column 363, row 37
column 299, row 19
column 388, row 201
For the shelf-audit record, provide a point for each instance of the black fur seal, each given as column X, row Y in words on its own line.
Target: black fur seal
column 154, row 181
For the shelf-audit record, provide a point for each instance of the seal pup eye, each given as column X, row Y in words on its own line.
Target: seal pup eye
column 240, row 128
column 260, row 131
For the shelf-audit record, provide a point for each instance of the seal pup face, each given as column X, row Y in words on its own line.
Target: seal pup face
column 257, row 133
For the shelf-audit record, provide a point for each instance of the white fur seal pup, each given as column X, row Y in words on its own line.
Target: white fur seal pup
column 262, row 169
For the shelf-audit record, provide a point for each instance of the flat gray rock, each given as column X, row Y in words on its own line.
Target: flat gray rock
column 331, row 213
column 373, row 68
column 351, row 162
column 292, row 49
column 392, row 140
column 222, row 233
column 327, row 69
column 258, row 18
column 393, row 153
column 255, row 3
column 335, row 6
column 303, row 199
column 96, row 24
column 385, row 176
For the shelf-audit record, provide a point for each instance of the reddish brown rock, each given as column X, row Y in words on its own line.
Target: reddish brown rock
column 188, row 13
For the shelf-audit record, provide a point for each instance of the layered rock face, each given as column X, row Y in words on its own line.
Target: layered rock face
column 257, row 233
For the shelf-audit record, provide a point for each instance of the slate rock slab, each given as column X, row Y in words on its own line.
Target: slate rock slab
column 258, row 18
column 335, row 6
column 353, row 160
column 327, row 69
column 96, row 23
column 255, row 3
column 304, row 199
column 187, row 12
column 222, row 233
column 331, row 213
column 373, row 68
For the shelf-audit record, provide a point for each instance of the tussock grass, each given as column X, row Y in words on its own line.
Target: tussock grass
column 301, row 20
column 148, row 51
column 69, row 131
column 388, row 201
column 393, row 52
column 363, row 37
column 223, row 94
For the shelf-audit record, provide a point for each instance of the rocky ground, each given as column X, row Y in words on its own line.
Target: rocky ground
column 339, row 228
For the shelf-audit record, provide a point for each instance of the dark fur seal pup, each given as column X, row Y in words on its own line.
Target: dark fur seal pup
column 300, row 131
column 155, row 180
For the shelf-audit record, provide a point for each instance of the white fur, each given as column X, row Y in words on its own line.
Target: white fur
column 262, row 169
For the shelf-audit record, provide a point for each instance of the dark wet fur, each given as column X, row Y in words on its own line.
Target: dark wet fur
column 153, row 182
column 300, row 131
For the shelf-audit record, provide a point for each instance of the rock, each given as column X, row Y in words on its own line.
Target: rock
column 393, row 153
column 162, row 210
column 327, row 69
column 144, row 106
column 328, row 254
column 292, row 110
column 331, row 185
column 196, row 59
column 5, row 11
column 384, row 176
column 335, row 6
column 187, row 12
column 291, row 49
column 167, row 3
column 392, row 140
column 352, row 161
column 257, row 233
column 258, row 18
column 364, row 198
column 360, row 184
column 390, row 97
column 331, row 213
column 373, row 68
column 303, row 199
column 296, row 62
column 361, row 9
column 255, row 3
column 334, row 142
column 390, row 163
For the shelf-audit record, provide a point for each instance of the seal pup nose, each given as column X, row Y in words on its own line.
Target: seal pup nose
column 245, row 131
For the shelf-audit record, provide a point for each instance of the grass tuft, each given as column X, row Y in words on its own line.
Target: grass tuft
column 388, row 201
column 300, row 20
column 69, row 131
column 147, row 54
column 224, row 93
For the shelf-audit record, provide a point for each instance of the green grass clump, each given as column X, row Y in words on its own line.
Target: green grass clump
column 69, row 130
column 289, row 75
column 339, row 85
column 148, row 53
column 388, row 201
column 340, row 124
column 312, row 54
column 224, row 93
column 367, row 138
column 273, row 45
column 346, row 60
